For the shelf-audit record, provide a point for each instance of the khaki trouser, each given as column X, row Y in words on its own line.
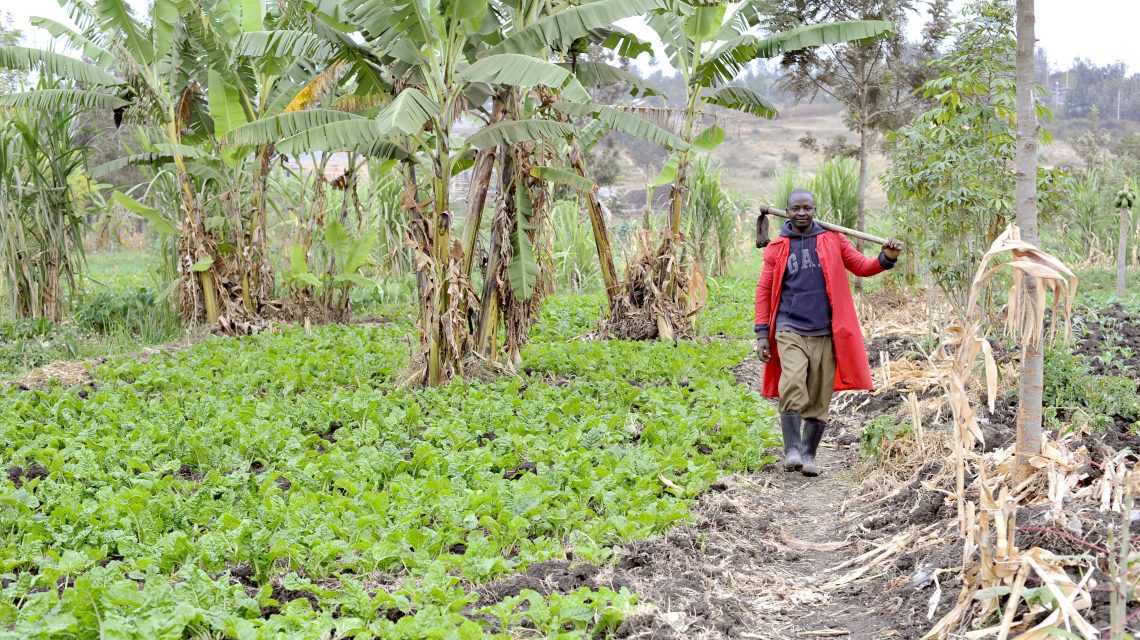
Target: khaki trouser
column 808, row 377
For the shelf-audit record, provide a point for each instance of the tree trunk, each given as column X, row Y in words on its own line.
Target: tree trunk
column 476, row 200
column 417, row 227
column 861, row 194
column 199, row 289
column 597, row 225
column 477, row 194
column 257, row 279
column 601, row 234
column 1030, row 384
column 439, row 360
column 677, row 195
column 486, row 337
column 1122, row 251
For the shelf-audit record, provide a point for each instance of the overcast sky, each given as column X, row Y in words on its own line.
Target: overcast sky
column 1100, row 30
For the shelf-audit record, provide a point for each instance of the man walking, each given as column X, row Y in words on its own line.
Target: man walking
column 806, row 327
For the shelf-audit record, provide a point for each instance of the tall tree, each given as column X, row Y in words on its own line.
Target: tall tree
column 1031, row 381
column 952, row 169
column 874, row 79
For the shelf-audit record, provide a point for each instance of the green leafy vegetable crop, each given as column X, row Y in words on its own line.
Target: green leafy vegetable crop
column 280, row 486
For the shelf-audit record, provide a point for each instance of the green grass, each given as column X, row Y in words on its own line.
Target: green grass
column 354, row 507
column 1098, row 287
column 1071, row 385
column 122, row 271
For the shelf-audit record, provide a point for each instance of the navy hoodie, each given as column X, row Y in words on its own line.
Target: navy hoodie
column 804, row 307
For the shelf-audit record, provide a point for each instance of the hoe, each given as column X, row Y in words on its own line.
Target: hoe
column 762, row 227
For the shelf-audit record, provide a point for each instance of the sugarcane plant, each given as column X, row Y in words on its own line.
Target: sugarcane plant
column 712, row 223
column 709, row 45
column 41, row 250
column 1125, row 201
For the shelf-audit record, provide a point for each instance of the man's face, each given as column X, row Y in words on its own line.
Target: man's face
column 801, row 210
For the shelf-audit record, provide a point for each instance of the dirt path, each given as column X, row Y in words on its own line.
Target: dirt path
column 757, row 563
column 764, row 558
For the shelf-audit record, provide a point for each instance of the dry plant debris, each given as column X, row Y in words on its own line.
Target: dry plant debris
column 1048, row 557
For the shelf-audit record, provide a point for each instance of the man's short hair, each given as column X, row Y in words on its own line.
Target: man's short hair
column 798, row 190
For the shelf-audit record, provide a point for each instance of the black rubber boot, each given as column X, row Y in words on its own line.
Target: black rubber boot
column 813, row 433
column 790, row 423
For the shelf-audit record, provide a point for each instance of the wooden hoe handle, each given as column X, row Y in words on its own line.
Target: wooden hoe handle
column 766, row 210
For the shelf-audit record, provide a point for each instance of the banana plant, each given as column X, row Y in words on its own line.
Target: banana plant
column 709, row 44
column 437, row 60
column 560, row 31
column 275, row 71
column 348, row 253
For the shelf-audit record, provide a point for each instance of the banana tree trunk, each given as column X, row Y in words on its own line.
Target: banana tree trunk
column 1122, row 251
column 480, row 184
column 198, row 287
column 252, row 256
column 680, row 186
column 677, row 195
column 487, row 331
column 597, row 225
column 417, row 228
column 193, row 247
column 476, row 200
column 601, row 234
column 439, row 358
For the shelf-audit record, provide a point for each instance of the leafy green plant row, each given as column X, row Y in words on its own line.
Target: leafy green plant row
column 280, row 486
column 1070, row 385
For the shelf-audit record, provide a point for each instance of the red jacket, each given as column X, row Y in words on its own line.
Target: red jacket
column 835, row 254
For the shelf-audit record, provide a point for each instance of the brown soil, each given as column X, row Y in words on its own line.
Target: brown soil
column 514, row 473
column 1109, row 328
column 187, row 472
column 19, row 475
column 556, row 576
